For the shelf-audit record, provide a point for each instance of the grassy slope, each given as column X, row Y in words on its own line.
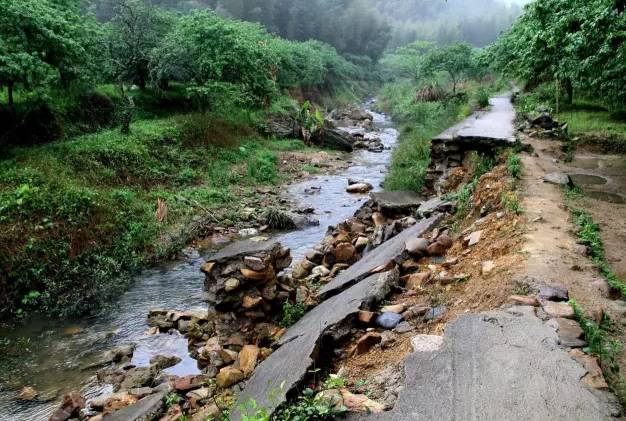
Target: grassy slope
column 419, row 123
column 77, row 216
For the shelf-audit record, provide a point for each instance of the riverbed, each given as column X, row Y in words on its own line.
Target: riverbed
column 51, row 355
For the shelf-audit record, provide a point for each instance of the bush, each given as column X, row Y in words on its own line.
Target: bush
column 40, row 125
column 263, row 167
column 96, row 110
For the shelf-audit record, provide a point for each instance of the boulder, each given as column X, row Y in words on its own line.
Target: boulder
column 70, row 407
column 388, row 320
column 161, row 362
column 359, row 188
column 248, row 358
column 417, row 246
column 558, row 178
column 345, row 253
column 557, row 310
column 229, row 376
column 360, row 403
column 473, row 238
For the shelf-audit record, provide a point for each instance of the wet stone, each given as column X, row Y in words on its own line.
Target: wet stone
column 554, row 292
column 388, row 320
column 558, row 178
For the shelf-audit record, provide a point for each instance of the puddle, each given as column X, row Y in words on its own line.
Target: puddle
column 606, row 197
column 588, row 180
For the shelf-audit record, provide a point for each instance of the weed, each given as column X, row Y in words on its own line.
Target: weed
column 263, row 167
column 463, row 198
column 514, row 166
column 511, row 202
column 483, row 163
column 522, row 288
column 291, row 313
column 309, row 407
column 334, row 381
column 172, row 399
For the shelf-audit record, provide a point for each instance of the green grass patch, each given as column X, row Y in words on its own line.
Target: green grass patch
column 589, row 233
column 77, row 217
column 514, row 166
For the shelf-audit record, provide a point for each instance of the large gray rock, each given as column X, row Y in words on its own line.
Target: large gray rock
column 379, row 257
column 500, row 365
column 145, row 409
column 286, row 367
column 396, row 200
column 243, row 248
column 558, row 178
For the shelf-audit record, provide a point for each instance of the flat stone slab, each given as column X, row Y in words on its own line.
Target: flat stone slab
column 490, row 127
column 499, row 365
column 144, row 410
column 378, row 257
column 243, row 248
column 396, row 199
column 286, row 367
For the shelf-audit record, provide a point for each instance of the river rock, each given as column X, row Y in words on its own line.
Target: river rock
column 321, row 271
column 118, row 401
column 553, row 292
column 556, row 310
column 360, row 403
column 388, row 320
column 190, row 382
column 345, row 253
column 254, row 263
column 248, row 358
column 359, row 188
column 416, row 246
column 229, row 376
column 161, row 362
column 558, row 178
column 27, row 394
column 70, row 407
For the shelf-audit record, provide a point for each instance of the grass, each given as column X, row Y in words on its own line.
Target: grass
column 596, row 127
column 77, row 217
column 291, row 313
column 589, row 233
column 419, row 122
column 514, row 166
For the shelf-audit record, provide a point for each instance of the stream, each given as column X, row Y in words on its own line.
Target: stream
column 50, row 355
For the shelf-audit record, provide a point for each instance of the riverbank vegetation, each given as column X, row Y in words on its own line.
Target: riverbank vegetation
column 120, row 139
column 430, row 88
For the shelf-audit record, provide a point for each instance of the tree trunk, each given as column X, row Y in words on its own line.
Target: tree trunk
column 569, row 88
column 10, row 92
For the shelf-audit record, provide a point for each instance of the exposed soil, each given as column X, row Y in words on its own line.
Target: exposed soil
column 501, row 242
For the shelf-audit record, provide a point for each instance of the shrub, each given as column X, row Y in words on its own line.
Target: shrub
column 40, row 125
column 263, row 167
column 291, row 313
column 514, row 166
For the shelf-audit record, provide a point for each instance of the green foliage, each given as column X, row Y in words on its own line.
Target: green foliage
column 589, row 234
column 577, row 43
column 263, row 167
column 172, row 398
column 598, row 338
column 334, row 381
column 481, row 98
column 483, row 163
column 308, row 407
column 463, row 198
column 511, row 203
column 514, row 166
column 455, row 60
column 291, row 313
column 42, row 42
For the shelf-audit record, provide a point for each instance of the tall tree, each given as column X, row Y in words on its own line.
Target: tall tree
column 455, row 59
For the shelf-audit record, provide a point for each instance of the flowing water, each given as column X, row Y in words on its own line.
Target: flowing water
column 49, row 355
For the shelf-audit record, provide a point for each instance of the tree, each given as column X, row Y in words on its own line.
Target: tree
column 42, row 42
column 578, row 43
column 455, row 59
column 134, row 32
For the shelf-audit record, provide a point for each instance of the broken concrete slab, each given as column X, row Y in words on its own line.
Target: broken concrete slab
column 145, row 409
column 570, row 333
column 379, row 257
column 499, row 365
column 493, row 128
column 243, row 248
column 436, row 204
column 396, row 200
column 286, row 367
